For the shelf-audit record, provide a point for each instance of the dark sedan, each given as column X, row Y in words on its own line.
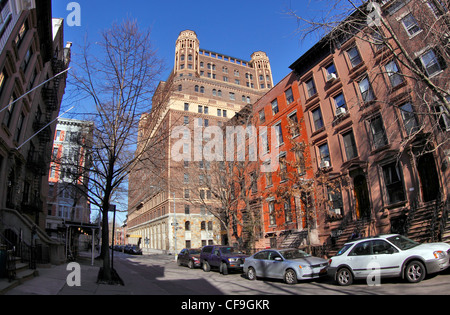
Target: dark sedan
column 189, row 257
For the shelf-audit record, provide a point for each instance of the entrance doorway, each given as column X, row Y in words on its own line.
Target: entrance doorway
column 361, row 196
column 428, row 175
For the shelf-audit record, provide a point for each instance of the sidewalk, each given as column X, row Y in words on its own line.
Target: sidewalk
column 53, row 281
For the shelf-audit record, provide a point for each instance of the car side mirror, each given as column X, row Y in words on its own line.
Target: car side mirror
column 278, row 259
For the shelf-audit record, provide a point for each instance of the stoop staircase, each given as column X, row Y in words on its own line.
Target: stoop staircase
column 429, row 222
column 362, row 226
column 294, row 239
column 20, row 274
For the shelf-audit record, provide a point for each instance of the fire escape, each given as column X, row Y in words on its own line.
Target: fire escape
column 39, row 158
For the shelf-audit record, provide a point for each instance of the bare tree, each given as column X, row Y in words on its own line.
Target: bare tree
column 423, row 68
column 119, row 78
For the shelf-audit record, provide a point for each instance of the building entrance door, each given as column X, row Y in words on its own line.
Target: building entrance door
column 361, row 196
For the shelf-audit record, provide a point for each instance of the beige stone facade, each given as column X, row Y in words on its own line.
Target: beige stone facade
column 208, row 89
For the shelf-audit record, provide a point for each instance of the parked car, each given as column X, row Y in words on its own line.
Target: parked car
column 133, row 249
column 225, row 258
column 390, row 255
column 289, row 264
column 189, row 257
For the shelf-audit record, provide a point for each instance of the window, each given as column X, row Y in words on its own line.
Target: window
column 380, row 247
column 325, row 160
column 289, row 96
column 366, row 90
column 379, row 138
column 283, row 167
column 186, row 178
column 409, row 118
column 317, row 117
column 339, row 101
column 311, row 87
column 21, row 34
column 269, row 179
column 393, row 183
column 394, row 74
column 9, row 111
column 287, row 210
column 335, row 199
column 186, row 193
column 224, row 113
column 279, row 134
column 19, row 127
column 200, row 109
column 232, row 97
column 262, row 116
column 350, row 145
column 206, row 110
column 361, row 249
column 275, row 107
column 219, row 112
column 354, row 56
column 430, row 62
column 186, row 120
column 331, row 72
column 272, row 213
column 186, row 107
column 410, row 25
column 294, row 128
column 187, row 209
column 378, row 41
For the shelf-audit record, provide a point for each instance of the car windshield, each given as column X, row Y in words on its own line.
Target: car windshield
column 402, row 242
column 194, row 251
column 294, row 253
column 229, row 250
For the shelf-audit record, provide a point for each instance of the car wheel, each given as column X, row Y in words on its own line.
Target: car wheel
column 191, row 264
column 179, row 262
column 223, row 268
column 344, row 277
column 251, row 273
column 415, row 272
column 290, row 277
column 206, row 267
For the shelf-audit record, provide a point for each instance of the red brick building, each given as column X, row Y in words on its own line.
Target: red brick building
column 372, row 103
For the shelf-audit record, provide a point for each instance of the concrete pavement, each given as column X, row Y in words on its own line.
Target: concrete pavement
column 53, row 281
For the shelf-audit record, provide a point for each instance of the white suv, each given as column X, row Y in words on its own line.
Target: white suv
column 390, row 255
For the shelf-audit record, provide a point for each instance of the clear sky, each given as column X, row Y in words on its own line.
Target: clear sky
column 233, row 27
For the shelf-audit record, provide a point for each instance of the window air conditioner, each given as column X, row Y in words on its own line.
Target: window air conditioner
column 340, row 111
column 324, row 164
column 331, row 77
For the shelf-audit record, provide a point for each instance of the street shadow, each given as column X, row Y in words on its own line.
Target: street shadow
column 154, row 282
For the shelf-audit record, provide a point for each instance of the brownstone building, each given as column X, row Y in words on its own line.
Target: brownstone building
column 208, row 89
column 32, row 52
column 376, row 127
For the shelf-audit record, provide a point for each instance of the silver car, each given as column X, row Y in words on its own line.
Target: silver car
column 390, row 255
column 290, row 265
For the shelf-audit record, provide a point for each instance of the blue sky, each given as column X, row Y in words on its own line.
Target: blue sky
column 232, row 27
column 235, row 28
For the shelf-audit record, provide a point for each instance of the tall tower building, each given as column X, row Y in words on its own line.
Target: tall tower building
column 208, row 89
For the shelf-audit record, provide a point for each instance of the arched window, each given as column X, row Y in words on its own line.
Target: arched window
column 187, row 225
column 196, row 88
column 203, row 225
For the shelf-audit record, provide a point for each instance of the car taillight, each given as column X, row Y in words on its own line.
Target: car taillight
column 329, row 261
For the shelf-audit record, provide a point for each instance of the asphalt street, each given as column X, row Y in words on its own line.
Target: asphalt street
column 162, row 274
